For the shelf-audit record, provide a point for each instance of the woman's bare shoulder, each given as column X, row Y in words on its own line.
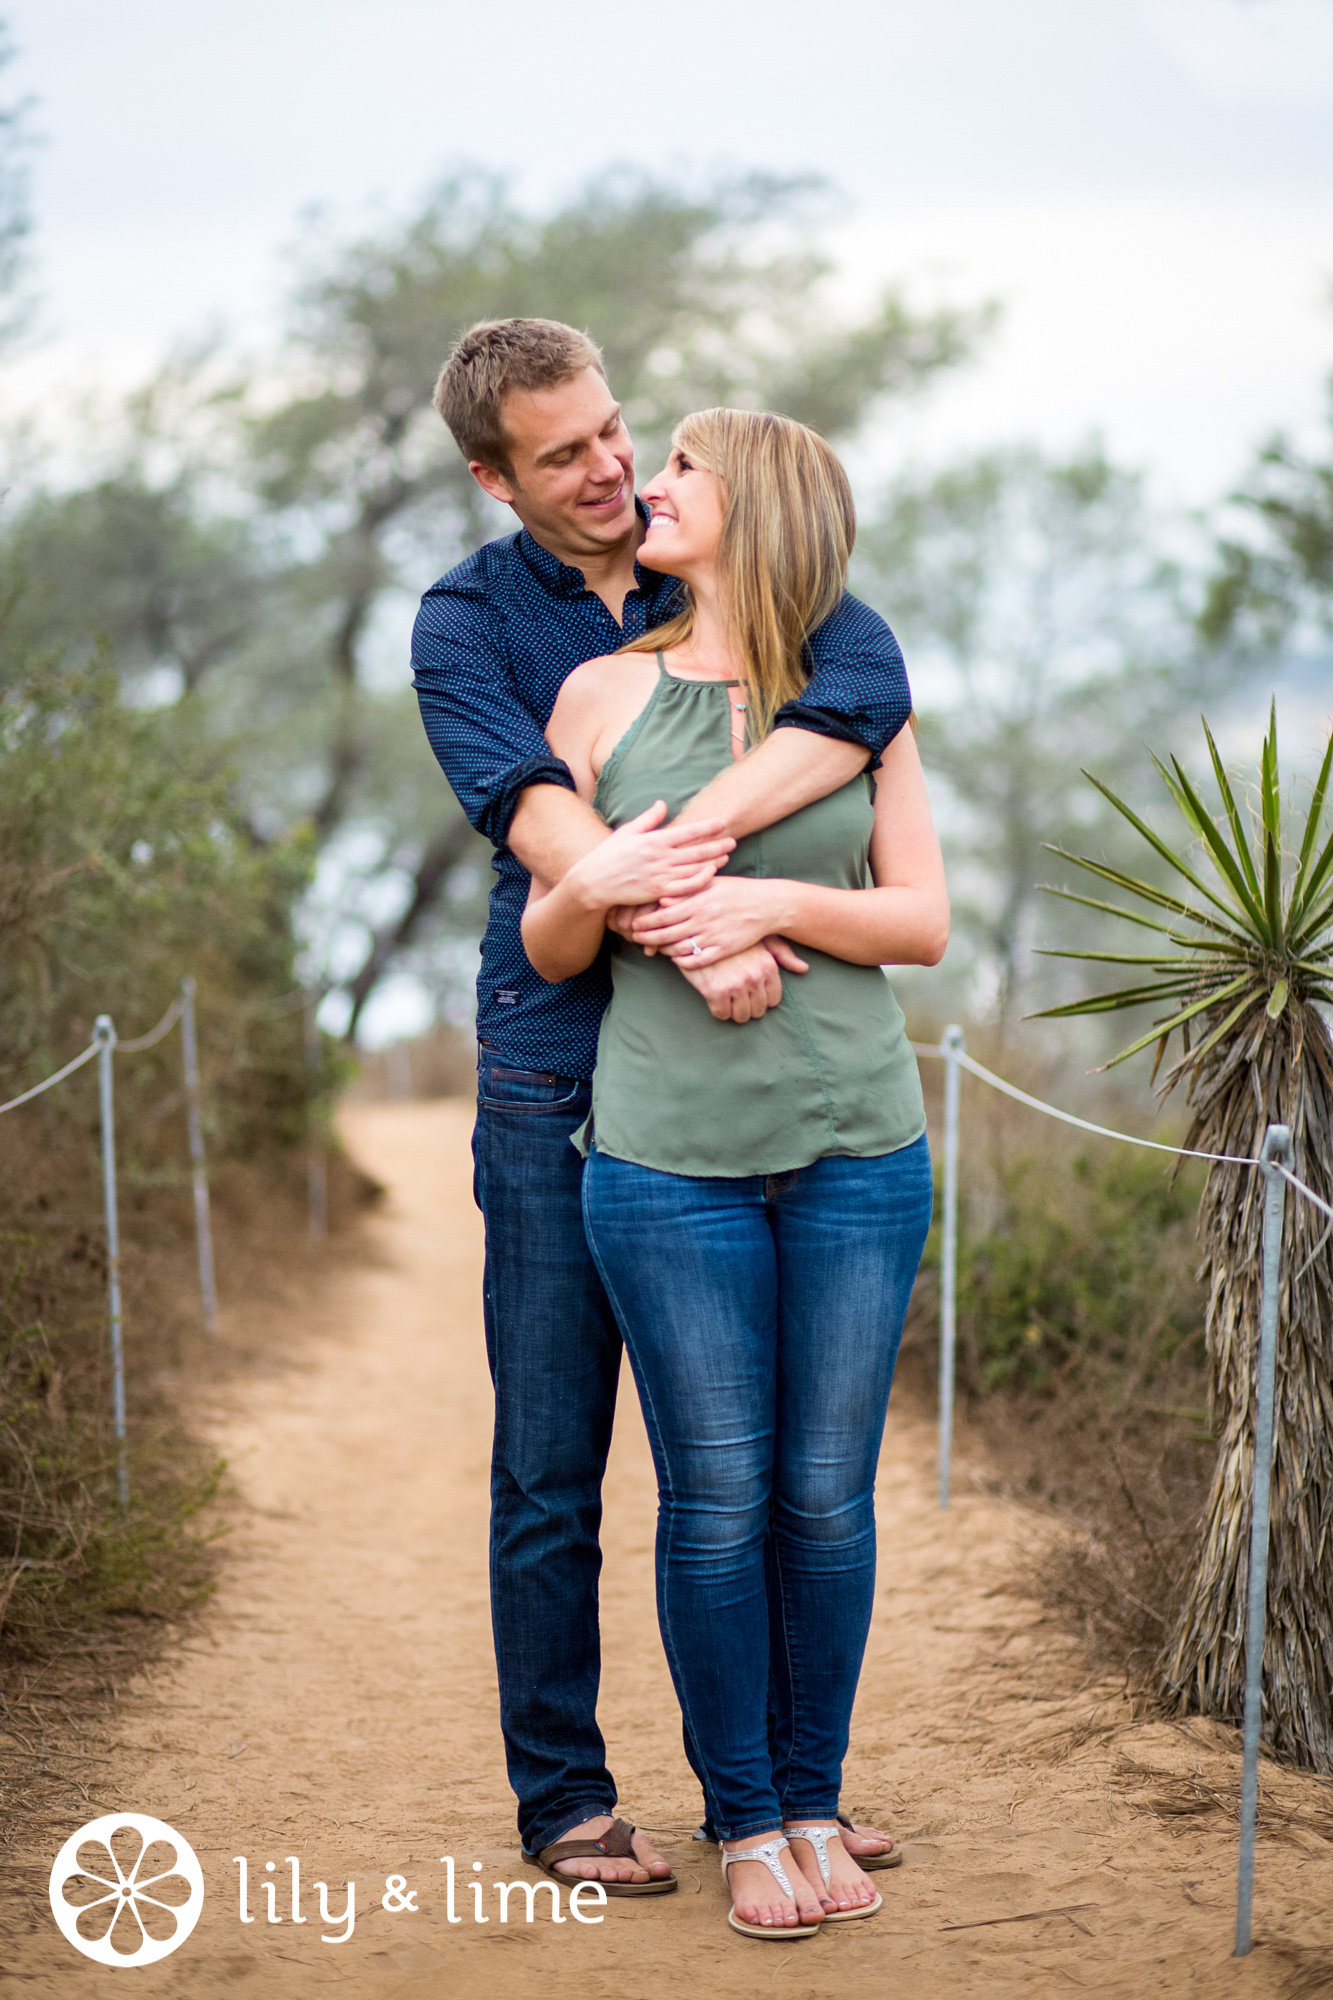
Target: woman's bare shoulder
column 605, row 678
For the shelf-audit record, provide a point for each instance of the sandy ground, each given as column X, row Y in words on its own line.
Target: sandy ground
column 338, row 1704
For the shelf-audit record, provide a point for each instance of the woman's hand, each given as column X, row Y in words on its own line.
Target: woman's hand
column 643, row 861
column 726, row 916
column 745, row 986
column 563, row 926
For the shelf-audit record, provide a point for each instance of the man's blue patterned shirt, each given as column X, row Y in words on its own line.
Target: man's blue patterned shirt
column 493, row 642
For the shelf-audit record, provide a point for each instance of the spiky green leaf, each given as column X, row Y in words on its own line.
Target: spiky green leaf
column 1299, row 919
column 1312, row 824
column 1159, row 846
column 1239, row 832
column 1223, row 1028
column 1172, row 967
column 1223, row 859
column 1111, row 909
column 1271, row 804
column 1164, row 1028
column 1139, row 996
column 1102, row 1003
column 1158, row 897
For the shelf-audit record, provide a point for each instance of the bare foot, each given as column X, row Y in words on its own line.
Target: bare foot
column 866, row 1841
column 756, row 1896
column 648, row 1865
column 848, row 1888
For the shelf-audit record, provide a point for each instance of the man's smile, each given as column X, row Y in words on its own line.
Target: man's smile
column 607, row 501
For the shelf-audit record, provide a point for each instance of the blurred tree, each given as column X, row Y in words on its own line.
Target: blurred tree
column 1274, row 572
column 15, row 220
column 1045, row 629
column 147, row 558
column 272, row 562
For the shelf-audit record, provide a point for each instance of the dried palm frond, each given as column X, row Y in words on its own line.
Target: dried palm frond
column 1245, row 970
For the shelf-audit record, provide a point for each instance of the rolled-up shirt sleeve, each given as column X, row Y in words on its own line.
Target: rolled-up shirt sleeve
column 489, row 745
column 858, row 687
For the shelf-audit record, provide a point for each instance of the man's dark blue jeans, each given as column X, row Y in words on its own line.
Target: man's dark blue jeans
column 554, row 1351
column 763, row 1316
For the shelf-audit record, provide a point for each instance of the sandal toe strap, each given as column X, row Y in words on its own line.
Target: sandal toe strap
column 818, row 1837
column 767, row 1852
column 617, row 1844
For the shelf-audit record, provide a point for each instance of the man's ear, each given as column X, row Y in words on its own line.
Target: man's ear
column 492, row 482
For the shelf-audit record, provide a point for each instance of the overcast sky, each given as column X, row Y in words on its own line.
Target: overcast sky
column 1147, row 184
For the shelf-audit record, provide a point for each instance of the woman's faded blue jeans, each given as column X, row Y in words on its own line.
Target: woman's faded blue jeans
column 762, row 1318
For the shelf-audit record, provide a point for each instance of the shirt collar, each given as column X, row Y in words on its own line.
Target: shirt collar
column 559, row 577
column 563, row 580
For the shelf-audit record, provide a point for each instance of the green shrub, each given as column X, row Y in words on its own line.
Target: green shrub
column 1063, row 1261
column 124, row 864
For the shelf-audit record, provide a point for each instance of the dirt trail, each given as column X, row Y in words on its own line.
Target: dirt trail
column 338, row 1705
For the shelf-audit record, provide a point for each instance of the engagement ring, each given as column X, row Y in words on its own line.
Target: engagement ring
column 696, row 949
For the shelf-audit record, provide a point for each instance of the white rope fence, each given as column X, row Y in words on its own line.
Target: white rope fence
column 105, row 1046
column 1274, row 1164
column 59, row 1077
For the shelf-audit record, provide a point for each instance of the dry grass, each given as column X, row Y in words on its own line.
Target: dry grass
column 1081, row 1369
column 1310, row 1971
column 1292, row 1814
column 90, row 1594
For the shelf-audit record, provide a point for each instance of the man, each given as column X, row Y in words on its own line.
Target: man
column 530, row 409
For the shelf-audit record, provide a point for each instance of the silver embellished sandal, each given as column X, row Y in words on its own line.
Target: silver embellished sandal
column 819, row 1838
column 767, row 1852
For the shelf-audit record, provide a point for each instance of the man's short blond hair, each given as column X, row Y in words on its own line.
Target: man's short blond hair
column 489, row 362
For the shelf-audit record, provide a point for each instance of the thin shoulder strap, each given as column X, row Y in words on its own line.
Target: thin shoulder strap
column 661, row 663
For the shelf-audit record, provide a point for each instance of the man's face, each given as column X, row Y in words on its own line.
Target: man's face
column 573, row 467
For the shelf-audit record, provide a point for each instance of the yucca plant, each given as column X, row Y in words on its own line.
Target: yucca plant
column 1242, row 968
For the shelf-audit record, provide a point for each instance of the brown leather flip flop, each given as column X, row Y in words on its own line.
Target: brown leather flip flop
column 616, row 1844
column 893, row 1858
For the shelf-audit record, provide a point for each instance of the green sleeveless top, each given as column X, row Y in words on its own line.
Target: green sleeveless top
column 827, row 1071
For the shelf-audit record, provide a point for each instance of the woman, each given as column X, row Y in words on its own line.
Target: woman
column 756, row 1196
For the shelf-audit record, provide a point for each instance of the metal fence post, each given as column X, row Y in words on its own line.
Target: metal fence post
column 104, row 1034
column 317, row 1160
column 1277, row 1146
column 203, row 1224
column 952, row 1043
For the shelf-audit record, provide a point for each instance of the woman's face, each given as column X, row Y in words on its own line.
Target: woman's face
column 686, row 526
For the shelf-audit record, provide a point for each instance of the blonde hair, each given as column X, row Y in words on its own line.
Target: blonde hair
column 788, row 526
